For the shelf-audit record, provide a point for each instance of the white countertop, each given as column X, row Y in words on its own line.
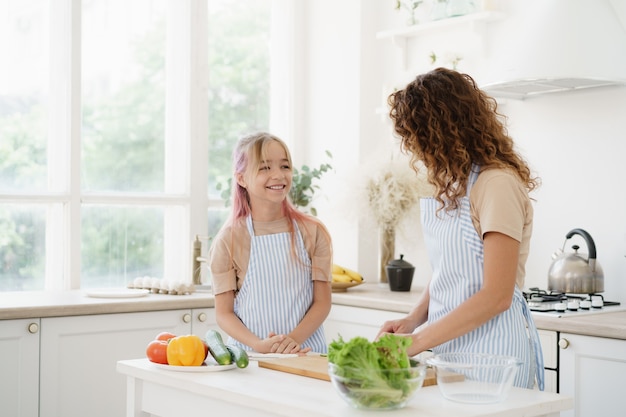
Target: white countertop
column 34, row 304
column 378, row 296
column 268, row 392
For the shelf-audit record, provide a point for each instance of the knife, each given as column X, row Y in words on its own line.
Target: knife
column 257, row 355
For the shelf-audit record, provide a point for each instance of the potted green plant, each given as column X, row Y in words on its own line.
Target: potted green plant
column 451, row 59
column 411, row 6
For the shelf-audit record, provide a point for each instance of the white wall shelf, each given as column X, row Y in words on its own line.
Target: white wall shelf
column 415, row 30
column 400, row 37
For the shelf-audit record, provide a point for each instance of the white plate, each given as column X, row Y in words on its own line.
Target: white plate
column 207, row 367
column 117, row 292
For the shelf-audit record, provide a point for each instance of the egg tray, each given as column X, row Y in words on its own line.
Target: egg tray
column 162, row 286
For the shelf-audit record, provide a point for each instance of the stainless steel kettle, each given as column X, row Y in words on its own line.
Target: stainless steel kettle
column 573, row 272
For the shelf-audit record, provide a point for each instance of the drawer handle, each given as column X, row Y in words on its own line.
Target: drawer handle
column 187, row 317
column 202, row 317
column 33, row 328
column 563, row 343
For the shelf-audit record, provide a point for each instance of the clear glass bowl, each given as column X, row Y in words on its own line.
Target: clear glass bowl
column 377, row 389
column 474, row 377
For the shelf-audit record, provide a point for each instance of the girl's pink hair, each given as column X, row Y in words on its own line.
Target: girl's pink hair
column 247, row 156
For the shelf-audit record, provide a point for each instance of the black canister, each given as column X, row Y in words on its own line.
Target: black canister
column 400, row 274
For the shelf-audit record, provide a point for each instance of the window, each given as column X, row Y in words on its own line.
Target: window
column 117, row 120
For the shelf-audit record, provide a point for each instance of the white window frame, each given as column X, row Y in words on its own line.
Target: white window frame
column 185, row 197
column 185, row 201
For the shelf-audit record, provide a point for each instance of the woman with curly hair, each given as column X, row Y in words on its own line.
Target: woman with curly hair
column 477, row 227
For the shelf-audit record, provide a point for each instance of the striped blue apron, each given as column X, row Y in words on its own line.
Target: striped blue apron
column 456, row 255
column 278, row 289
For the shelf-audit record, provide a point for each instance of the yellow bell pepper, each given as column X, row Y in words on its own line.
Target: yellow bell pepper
column 185, row 351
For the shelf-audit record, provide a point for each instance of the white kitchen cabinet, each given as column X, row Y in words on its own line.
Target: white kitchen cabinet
column 75, row 382
column 549, row 346
column 203, row 319
column 591, row 369
column 19, row 365
column 355, row 321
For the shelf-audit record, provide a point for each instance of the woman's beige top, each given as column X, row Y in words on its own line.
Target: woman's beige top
column 499, row 202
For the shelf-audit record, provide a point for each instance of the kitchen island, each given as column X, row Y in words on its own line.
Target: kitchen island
column 43, row 327
column 255, row 391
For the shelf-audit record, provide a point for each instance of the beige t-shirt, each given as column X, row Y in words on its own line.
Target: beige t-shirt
column 499, row 202
column 229, row 263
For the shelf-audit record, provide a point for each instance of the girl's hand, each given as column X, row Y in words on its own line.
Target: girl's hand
column 285, row 344
column 269, row 344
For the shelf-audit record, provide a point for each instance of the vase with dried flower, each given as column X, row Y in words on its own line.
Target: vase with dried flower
column 391, row 194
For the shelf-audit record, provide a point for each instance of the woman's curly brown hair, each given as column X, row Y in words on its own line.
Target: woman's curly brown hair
column 448, row 123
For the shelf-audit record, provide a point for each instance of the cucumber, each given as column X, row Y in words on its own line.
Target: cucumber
column 217, row 348
column 240, row 356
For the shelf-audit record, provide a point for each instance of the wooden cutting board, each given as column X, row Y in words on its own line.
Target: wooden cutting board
column 315, row 366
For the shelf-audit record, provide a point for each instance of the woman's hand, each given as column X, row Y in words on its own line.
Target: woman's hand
column 404, row 326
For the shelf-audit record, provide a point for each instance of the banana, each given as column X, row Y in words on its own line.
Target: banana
column 340, row 273
column 341, row 278
column 338, row 269
column 354, row 275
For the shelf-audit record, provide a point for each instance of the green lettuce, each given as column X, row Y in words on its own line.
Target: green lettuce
column 363, row 365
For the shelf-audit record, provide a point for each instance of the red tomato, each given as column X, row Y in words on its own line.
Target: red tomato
column 165, row 336
column 157, row 351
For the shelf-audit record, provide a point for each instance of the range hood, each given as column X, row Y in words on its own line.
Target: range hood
column 551, row 46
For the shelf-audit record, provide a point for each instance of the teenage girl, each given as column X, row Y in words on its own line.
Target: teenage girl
column 270, row 263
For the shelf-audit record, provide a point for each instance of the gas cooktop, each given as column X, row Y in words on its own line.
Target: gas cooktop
column 561, row 304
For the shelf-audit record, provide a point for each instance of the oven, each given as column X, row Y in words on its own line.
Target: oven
column 554, row 304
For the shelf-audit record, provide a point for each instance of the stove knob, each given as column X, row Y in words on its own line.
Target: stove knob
column 597, row 303
column 572, row 305
column 585, row 304
column 560, row 307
